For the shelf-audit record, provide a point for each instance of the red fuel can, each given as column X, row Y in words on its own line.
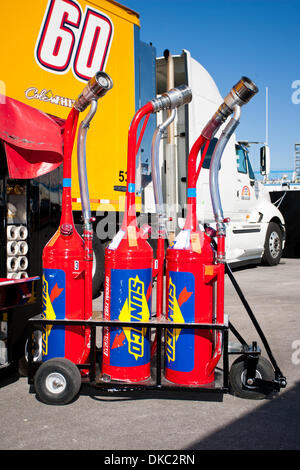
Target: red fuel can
column 127, row 297
column 128, row 284
column 63, row 275
column 190, row 275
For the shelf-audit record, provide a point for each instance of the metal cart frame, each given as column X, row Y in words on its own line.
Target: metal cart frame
column 157, row 381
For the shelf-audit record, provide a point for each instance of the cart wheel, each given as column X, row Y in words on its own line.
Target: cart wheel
column 57, row 381
column 237, row 378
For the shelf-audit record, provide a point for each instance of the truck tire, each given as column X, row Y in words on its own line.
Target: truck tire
column 98, row 263
column 273, row 245
column 57, row 381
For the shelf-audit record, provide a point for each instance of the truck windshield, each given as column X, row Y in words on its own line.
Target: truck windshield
column 243, row 162
column 251, row 172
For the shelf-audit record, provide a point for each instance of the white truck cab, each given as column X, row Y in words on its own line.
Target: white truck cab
column 255, row 230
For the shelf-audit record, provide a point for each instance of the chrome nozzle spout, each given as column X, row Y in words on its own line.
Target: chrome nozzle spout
column 240, row 94
column 173, row 98
column 157, row 187
column 96, row 88
column 81, row 164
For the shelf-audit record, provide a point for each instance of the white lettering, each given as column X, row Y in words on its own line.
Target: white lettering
column 115, row 460
column 66, row 39
column 47, row 96
column 296, row 94
column 58, row 34
column 93, row 45
column 296, row 354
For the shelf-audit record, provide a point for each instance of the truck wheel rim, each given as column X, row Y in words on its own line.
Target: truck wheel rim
column 274, row 244
column 37, row 347
column 56, row 383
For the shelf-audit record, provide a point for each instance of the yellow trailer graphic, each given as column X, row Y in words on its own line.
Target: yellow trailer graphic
column 49, row 49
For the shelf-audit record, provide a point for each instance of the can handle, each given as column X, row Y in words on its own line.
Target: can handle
column 219, row 319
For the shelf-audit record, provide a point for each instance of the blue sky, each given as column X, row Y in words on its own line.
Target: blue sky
column 231, row 38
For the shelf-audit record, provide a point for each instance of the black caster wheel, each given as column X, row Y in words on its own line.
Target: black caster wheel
column 237, row 378
column 57, row 381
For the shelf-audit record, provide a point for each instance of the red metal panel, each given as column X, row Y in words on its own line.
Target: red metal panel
column 32, row 140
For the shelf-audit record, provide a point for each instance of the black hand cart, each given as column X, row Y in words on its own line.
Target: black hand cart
column 57, row 381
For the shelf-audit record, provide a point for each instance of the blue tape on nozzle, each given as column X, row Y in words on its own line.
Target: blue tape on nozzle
column 131, row 187
column 67, row 183
column 191, row 192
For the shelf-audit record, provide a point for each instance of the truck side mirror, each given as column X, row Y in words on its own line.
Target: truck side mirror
column 265, row 160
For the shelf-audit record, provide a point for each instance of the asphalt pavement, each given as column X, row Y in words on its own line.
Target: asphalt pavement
column 179, row 422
